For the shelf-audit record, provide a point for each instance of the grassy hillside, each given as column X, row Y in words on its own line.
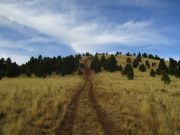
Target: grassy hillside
column 31, row 106
column 143, row 106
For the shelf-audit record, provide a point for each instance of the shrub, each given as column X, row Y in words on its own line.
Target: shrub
column 142, row 68
column 128, row 71
column 147, row 64
column 135, row 63
column 152, row 73
column 130, row 75
column 165, row 78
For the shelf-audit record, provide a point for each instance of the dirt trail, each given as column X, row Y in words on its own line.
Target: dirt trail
column 107, row 124
column 84, row 116
column 66, row 126
column 86, row 121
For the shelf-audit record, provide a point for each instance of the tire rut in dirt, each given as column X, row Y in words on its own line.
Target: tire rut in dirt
column 103, row 119
column 86, row 121
column 66, row 126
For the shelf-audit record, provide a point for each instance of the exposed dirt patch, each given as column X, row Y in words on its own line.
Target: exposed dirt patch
column 84, row 116
column 66, row 126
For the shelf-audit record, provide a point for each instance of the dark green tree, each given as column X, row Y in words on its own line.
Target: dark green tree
column 147, row 64
column 165, row 78
column 142, row 68
column 152, row 73
column 172, row 66
column 161, row 67
column 135, row 63
column 95, row 64
column 103, row 61
column 128, row 71
column 111, row 64
column 139, row 57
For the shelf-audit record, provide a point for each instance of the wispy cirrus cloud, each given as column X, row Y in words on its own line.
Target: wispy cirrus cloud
column 61, row 27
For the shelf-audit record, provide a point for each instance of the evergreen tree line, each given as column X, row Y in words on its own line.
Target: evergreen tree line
column 41, row 66
column 110, row 64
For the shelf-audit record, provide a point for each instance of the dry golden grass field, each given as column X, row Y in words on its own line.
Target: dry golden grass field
column 143, row 106
column 32, row 106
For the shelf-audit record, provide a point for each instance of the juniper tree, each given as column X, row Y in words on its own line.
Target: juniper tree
column 172, row 66
column 95, row 64
column 135, row 63
column 142, row 68
column 111, row 64
column 128, row 71
column 147, row 64
column 162, row 67
column 165, row 78
column 152, row 73
column 139, row 57
column 103, row 61
column 144, row 55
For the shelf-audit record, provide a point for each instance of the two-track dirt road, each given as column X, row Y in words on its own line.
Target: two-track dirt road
column 84, row 116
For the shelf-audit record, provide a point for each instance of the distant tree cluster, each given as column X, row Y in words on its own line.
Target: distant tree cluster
column 41, row 66
column 8, row 68
column 109, row 64
column 44, row 66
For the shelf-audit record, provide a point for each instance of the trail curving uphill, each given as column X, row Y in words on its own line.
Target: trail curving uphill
column 84, row 116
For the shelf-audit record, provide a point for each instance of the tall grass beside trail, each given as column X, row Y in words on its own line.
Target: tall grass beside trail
column 143, row 106
column 33, row 106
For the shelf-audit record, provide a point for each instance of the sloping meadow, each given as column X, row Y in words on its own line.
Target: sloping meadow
column 143, row 106
column 30, row 106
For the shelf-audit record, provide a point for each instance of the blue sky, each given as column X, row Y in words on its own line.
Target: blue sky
column 63, row 27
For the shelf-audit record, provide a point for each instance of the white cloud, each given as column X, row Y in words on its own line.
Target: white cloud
column 86, row 36
column 19, row 59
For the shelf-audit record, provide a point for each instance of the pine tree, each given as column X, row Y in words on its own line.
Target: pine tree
column 177, row 74
column 142, row 68
column 165, row 78
column 128, row 71
column 152, row 73
column 103, row 61
column 95, row 64
column 162, row 67
column 130, row 75
column 139, row 57
column 111, row 64
column 144, row 55
column 147, row 64
column 135, row 63
column 172, row 66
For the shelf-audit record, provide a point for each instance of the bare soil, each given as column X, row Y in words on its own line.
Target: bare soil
column 84, row 116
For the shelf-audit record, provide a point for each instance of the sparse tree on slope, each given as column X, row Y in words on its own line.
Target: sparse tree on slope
column 142, row 68
column 95, row 64
column 152, row 73
column 165, row 78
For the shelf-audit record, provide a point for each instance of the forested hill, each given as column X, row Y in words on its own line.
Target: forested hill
column 43, row 66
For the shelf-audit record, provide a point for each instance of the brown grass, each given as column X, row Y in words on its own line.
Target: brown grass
column 144, row 106
column 31, row 106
